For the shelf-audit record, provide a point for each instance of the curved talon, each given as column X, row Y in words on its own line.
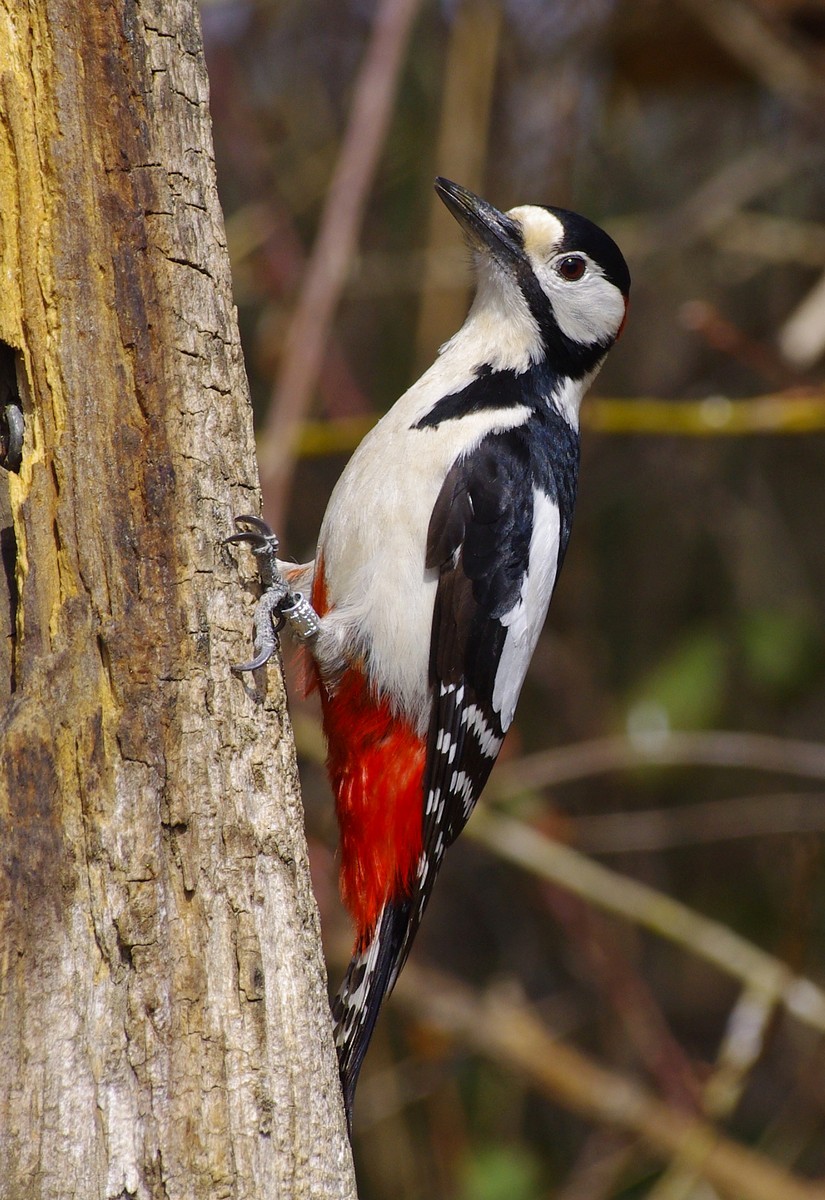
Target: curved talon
column 264, row 654
column 260, row 660
column 259, row 536
column 254, row 539
column 264, row 545
column 256, row 522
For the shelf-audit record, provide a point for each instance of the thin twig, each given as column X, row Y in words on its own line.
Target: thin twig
column 741, row 1047
column 755, row 44
column 769, row 238
column 509, row 1033
column 469, row 77
column 600, row 955
column 750, row 751
column 334, row 247
column 525, row 847
column 698, row 824
column 716, row 200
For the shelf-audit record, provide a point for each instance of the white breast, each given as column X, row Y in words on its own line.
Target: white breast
column 374, row 534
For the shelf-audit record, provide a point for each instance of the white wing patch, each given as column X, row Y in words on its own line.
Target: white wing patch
column 526, row 617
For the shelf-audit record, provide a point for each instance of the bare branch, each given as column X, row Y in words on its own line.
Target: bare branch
column 334, row 247
column 509, row 1033
column 751, row 751
column 469, row 76
column 751, row 41
column 698, row 824
column 765, row 975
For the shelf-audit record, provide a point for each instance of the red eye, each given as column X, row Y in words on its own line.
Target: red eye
column 571, row 268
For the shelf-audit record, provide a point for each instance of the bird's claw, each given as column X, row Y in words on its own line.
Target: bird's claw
column 267, row 624
column 277, row 604
column 264, row 545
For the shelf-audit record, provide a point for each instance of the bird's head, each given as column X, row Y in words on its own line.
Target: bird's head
column 557, row 281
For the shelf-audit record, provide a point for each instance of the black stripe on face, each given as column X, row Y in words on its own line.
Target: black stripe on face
column 564, row 356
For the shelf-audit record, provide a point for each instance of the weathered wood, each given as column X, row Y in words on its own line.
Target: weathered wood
column 164, row 1027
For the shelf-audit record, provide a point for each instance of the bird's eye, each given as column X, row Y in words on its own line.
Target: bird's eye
column 571, row 268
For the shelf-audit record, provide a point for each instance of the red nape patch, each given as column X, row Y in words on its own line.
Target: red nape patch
column 620, row 330
column 376, row 766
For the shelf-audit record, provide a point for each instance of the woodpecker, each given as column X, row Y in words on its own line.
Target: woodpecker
column 436, row 561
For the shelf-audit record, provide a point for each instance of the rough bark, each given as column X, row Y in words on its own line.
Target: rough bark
column 164, row 1027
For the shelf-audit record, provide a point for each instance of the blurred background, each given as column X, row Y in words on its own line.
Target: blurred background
column 618, row 990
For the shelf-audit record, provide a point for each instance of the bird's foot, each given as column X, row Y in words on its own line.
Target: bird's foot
column 278, row 605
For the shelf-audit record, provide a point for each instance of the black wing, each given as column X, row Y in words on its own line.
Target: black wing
column 479, row 541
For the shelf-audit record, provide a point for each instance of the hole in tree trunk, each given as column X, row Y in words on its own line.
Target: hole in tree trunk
column 11, row 411
column 11, row 449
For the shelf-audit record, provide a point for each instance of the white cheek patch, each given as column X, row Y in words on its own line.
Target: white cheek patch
column 588, row 310
column 526, row 617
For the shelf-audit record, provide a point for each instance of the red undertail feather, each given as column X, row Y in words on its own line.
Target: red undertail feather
column 376, row 767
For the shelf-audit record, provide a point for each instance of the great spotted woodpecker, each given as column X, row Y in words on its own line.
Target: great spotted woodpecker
column 436, row 561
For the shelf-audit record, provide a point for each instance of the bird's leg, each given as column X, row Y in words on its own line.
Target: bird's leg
column 278, row 605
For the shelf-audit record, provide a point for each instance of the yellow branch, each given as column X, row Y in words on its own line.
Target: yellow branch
column 715, row 416
column 791, row 412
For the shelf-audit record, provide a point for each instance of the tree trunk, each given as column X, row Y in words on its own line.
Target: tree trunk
column 164, row 1026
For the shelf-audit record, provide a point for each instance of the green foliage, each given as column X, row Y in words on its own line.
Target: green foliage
column 780, row 649
column 687, row 688
column 500, row 1173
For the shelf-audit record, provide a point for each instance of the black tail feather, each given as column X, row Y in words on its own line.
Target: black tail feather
column 370, row 977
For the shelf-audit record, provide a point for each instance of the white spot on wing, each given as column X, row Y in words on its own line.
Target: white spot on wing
column 526, row 617
column 476, row 722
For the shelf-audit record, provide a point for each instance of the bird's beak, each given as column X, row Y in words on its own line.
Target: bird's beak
column 484, row 226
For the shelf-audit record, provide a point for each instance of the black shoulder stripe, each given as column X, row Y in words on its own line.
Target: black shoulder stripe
column 489, row 390
column 534, row 389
